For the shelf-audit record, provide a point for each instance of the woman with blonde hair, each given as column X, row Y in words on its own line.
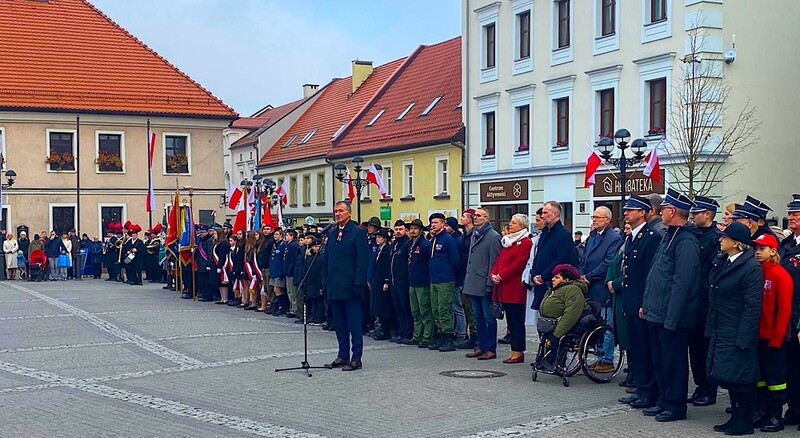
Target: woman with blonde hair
column 10, row 248
column 726, row 216
column 253, row 271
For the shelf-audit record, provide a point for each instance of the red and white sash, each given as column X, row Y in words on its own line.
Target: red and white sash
column 229, row 267
column 223, row 274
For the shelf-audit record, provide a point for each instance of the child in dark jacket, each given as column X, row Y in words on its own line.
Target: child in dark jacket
column 312, row 289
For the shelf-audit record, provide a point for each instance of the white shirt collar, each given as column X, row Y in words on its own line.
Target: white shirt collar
column 635, row 231
column 734, row 257
column 797, row 239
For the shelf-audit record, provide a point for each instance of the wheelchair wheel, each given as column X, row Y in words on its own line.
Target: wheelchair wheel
column 591, row 348
column 535, row 374
column 565, row 381
column 572, row 359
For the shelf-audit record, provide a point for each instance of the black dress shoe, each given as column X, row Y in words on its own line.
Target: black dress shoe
column 668, row 416
column 629, row 399
column 221, row 302
column 337, row 363
column 205, row 300
column 704, row 400
column 405, row 342
column 695, row 395
column 643, row 403
column 631, row 390
column 352, row 366
column 772, row 424
column 504, row 340
column 186, row 297
column 652, row 411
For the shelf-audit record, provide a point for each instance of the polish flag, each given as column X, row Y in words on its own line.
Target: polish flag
column 351, row 189
column 234, row 195
column 266, row 216
column 240, row 222
column 151, row 192
column 282, row 191
column 651, row 169
column 593, row 162
column 374, row 177
column 251, row 201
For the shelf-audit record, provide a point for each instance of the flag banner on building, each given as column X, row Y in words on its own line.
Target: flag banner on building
column 652, row 169
column 593, row 162
column 151, row 193
column 283, row 191
column 351, row 188
column 234, row 196
column 374, row 177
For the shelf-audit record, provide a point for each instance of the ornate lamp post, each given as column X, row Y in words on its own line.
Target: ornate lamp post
column 606, row 147
column 358, row 182
column 11, row 178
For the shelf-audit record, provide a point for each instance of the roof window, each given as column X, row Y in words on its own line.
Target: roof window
column 375, row 119
column 338, row 131
column 430, row 107
column 405, row 111
column 290, row 140
column 308, row 136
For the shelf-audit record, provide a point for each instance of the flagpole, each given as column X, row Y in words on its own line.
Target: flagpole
column 77, row 173
column 178, row 279
column 192, row 245
column 149, row 177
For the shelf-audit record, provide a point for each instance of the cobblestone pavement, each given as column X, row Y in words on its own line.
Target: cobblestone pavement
column 93, row 358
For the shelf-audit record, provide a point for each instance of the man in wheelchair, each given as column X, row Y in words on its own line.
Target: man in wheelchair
column 563, row 311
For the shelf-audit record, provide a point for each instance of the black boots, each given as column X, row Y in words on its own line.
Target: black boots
column 744, row 423
column 771, row 421
column 437, row 342
column 735, row 414
column 447, row 343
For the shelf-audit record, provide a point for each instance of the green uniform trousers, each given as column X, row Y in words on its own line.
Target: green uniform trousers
column 421, row 311
column 442, row 306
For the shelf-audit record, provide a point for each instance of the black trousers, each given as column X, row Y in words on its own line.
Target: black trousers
column 641, row 357
column 698, row 352
column 772, row 363
column 793, row 374
column 671, row 366
column 515, row 318
column 202, row 284
column 98, row 269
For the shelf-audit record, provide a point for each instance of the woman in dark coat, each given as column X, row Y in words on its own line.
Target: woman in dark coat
column 95, row 257
column 380, row 298
column 736, row 284
column 221, row 250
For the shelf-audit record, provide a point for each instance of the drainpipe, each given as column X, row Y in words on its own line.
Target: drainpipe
column 465, row 107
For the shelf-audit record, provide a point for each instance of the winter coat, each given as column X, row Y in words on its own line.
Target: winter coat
column 459, row 269
column 300, row 264
column 598, row 254
column 670, row 294
column 483, row 252
column 380, row 299
column 790, row 260
column 289, row 258
column 276, row 263
column 35, row 246
column 24, row 246
column 555, row 248
column 237, row 258
column 709, row 251
column 313, row 270
column 509, row 266
column 567, row 302
column 657, row 226
column 53, row 248
column 444, row 259
column 733, row 316
column 636, row 264
column 776, row 304
column 419, row 263
column 398, row 273
column 463, row 252
column 265, row 252
column 346, row 262
column 95, row 254
column 615, row 276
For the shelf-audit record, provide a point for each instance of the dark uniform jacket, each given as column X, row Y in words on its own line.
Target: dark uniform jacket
column 399, row 268
column 290, row 258
column 790, row 260
column 636, row 263
column 709, row 251
column 276, row 260
column 265, row 252
column 381, row 301
column 418, row 263
column 444, row 257
column 237, row 258
column 346, row 257
column 313, row 270
column 733, row 318
column 670, row 294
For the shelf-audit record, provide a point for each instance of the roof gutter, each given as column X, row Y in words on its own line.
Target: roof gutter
column 118, row 113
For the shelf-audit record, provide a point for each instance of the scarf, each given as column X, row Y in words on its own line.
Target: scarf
column 510, row 239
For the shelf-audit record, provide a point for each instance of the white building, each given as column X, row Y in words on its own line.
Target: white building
column 543, row 78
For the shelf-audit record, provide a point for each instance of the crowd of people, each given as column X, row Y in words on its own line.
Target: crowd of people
column 677, row 287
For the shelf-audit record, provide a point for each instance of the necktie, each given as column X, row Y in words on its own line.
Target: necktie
column 628, row 241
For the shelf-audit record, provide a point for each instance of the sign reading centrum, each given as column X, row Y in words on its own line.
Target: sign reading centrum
column 515, row 190
column 637, row 184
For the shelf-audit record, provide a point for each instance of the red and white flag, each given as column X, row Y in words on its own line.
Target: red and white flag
column 240, row 221
column 234, row 196
column 593, row 162
column 151, row 193
column 374, row 177
column 351, row 188
column 282, row 192
column 250, row 211
column 651, row 169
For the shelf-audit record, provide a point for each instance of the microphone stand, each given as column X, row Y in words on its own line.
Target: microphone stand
column 304, row 365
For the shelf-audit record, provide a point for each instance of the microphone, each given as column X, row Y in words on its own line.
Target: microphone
column 328, row 228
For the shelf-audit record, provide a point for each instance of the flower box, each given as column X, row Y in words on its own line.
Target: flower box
column 109, row 162
column 60, row 161
column 178, row 163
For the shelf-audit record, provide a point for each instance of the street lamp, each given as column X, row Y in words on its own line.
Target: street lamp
column 622, row 137
column 358, row 182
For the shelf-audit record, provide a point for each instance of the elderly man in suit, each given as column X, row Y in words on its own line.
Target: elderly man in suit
column 601, row 246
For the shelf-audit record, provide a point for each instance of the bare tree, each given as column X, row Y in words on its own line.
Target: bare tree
column 704, row 130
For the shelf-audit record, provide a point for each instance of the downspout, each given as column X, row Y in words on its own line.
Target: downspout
column 465, row 107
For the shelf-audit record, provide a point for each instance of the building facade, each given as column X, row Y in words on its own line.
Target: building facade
column 74, row 127
column 545, row 78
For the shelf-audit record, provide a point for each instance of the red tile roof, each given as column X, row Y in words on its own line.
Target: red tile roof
column 263, row 120
column 337, row 105
column 432, row 71
column 67, row 55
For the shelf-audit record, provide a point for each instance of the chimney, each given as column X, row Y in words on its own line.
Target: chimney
column 309, row 90
column 361, row 71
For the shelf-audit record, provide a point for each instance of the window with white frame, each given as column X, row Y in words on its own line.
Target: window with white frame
column 562, row 122
column 656, row 20
column 605, row 122
column 110, row 151
column 523, row 36
column 177, row 153
column 489, row 46
column 110, row 213
column 655, row 75
column 60, row 150
column 306, row 189
column 561, row 32
column 657, row 106
column 320, row 188
column 487, row 22
column 606, row 18
column 292, row 191
column 562, row 23
column 560, row 92
column 408, row 179
column 605, row 87
column 386, row 175
column 489, row 134
column 521, row 100
column 62, row 217
column 522, row 117
column 442, row 175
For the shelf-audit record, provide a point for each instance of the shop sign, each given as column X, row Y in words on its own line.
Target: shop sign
column 515, row 190
column 607, row 185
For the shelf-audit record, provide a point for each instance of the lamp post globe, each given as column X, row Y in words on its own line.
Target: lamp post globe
column 622, row 136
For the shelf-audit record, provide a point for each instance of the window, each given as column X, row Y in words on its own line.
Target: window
column 606, row 122
column 241, row 175
column 62, row 218
column 489, row 38
column 408, row 180
column 338, row 131
column 109, row 152
column 658, row 10
column 110, row 214
column 320, row 188
column 386, row 174
column 176, row 153
column 61, row 150
column 293, row 191
column 308, row 136
column 562, row 122
column 207, row 217
column 488, row 133
column 442, row 171
column 658, row 106
column 240, row 157
column 608, row 17
column 288, row 142
column 251, row 155
column 405, row 111
column 523, row 128
column 430, row 106
column 524, row 26
column 306, row 190
column 375, row 119
column 3, row 142
column 563, row 23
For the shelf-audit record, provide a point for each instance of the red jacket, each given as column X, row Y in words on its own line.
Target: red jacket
column 509, row 266
column 776, row 304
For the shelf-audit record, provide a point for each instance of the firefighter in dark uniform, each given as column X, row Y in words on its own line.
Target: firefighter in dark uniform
column 640, row 249
column 202, row 257
column 789, row 251
column 753, row 215
column 703, row 213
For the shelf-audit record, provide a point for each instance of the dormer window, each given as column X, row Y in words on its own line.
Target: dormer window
column 405, row 111
column 430, row 107
column 375, row 119
column 308, row 136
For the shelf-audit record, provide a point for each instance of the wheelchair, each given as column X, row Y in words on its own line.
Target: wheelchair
column 580, row 350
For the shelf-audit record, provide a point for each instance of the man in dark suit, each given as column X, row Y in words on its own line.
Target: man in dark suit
column 601, row 246
column 640, row 249
column 555, row 248
column 347, row 258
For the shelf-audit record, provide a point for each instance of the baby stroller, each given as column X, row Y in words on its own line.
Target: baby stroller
column 37, row 266
column 22, row 266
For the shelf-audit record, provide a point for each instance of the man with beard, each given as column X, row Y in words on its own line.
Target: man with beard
column 399, row 284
